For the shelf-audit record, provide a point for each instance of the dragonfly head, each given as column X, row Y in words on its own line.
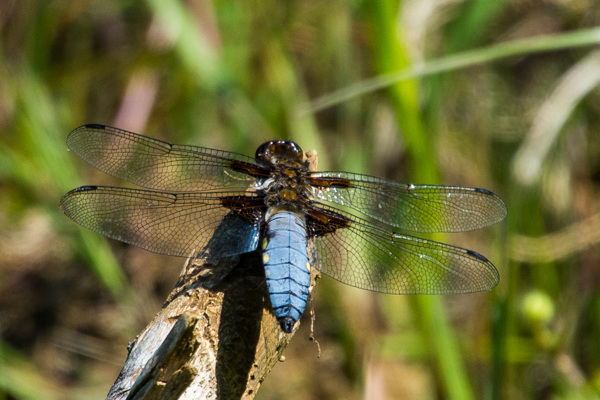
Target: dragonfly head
column 280, row 152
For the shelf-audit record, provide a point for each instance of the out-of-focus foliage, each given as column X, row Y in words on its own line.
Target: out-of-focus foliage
column 503, row 96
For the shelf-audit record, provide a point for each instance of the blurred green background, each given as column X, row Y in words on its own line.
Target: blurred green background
column 495, row 94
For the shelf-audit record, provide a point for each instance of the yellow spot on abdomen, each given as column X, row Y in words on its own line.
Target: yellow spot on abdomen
column 265, row 258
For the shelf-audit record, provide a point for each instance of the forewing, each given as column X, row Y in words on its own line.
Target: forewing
column 173, row 224
column 366, row 257
column 416, row 208
column 159, row 165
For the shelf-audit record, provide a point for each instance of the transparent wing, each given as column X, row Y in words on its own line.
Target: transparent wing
column 155, row 164
column 171, row 224
column 366, row 257
column 416, row 208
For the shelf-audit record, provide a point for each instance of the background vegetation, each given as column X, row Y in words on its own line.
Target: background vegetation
column 496, row 94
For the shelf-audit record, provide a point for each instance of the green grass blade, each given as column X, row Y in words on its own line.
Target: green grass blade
column 390, row 54
column 585, row 37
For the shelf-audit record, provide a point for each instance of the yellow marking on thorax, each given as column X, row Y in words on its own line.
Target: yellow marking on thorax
column 288, row 194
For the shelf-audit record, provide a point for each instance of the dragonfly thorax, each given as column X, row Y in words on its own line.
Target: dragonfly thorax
column 287, row 187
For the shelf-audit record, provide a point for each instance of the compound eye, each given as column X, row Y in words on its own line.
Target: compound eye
column 265, row 151
column 279, row 152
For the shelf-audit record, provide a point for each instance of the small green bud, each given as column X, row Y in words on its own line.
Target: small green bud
column 538, row 307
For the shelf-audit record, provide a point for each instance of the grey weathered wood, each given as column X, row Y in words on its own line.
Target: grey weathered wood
column 206, row 343
column 215, row 338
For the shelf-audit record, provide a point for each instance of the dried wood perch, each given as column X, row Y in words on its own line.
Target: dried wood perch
column 207, row 343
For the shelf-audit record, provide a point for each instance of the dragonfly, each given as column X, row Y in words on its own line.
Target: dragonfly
column 215, row 204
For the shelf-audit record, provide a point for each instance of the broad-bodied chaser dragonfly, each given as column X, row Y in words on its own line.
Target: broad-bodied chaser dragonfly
column 219, row 204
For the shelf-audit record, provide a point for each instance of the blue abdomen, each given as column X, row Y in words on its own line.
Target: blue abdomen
column 286, row 267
